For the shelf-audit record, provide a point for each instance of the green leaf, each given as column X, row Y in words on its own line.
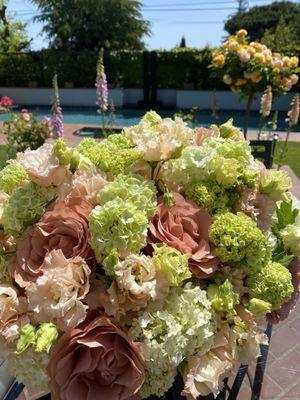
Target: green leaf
column 283, row 258
column 286, row 215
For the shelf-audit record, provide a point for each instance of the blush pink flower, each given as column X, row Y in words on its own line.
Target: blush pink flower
column 184, row 226
column 62, row 286
column 64, row 226
column 200, row 134
column 96, row 359
column 285, row 310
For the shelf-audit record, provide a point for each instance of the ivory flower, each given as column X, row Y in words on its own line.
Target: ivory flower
column 42, row 166
column 61, row 287
column 159, row 140
column 87, row 183
column 244, row 56
column 3, row 198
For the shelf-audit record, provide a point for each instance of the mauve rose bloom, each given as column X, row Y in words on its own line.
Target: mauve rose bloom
column 184, row 226
column 285, row 310
column 96, row 360
column 64, row 226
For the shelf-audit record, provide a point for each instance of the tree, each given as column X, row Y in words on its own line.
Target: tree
column 182, row 43
column 260, row 18
column 92, row 24
column 283, row 39
column 12, row 33
column 242, row 5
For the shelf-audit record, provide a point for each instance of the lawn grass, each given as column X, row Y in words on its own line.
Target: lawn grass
column 292, row 158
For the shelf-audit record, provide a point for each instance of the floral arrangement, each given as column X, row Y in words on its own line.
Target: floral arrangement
column 6, row 103
column 153, row 253
column 24, row 130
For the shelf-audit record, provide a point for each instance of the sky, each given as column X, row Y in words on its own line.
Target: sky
column 199, row 21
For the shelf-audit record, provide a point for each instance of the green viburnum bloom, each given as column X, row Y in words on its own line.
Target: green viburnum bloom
column 11, row 177
column 173, row 264
column 27, row 338
column 208, row 196
column 109, row 156
column 133, row 188
column 25, row 207
column 117, row 225
column 62, row 151
column 239, row 241
column 120, row 140
column 223, row 298
column 225, row 161
column 110, row 262
column 182, row 328
column 46, row 336
column 273, row 284
column 275, row 184
column 228, row 131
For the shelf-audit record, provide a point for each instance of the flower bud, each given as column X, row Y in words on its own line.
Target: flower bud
column 27, row 338
column 46, row 335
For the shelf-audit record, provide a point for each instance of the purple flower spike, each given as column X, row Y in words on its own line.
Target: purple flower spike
column 57, row 125
column 101, row 86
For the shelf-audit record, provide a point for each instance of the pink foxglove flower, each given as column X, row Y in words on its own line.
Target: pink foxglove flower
column 101, row 86
column 57, row 116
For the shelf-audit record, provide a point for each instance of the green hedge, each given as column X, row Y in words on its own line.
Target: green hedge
column 178, row 69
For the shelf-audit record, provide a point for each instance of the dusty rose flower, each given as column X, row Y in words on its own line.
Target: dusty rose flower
column 42, row 166
column 12, row 312
column 87, row 184
column 97, row 358
column 266, row 207
column 285, row 310
column 61, row 287
column 64, row 226
column 200, row 134
column 185, row 226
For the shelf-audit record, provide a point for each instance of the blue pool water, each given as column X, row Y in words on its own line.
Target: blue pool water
column 127, row 117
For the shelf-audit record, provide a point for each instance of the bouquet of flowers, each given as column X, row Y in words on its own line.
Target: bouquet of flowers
column 251, row 67
column 153, row 253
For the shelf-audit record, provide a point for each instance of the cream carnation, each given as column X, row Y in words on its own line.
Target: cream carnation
column 87, row 183
column 42, row 166
column 56, row 295
column 159, row 140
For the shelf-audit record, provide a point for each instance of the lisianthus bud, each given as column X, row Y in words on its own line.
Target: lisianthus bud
column 27, row 338
column 46, row 336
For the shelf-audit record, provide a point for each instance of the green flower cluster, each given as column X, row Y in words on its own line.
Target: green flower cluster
column 223, row 298
column 182, row 328
column 225, row 161
column 173, row 264
column 11, row 177
column 25, row 207
column 117, row 225
column 273, row 285
column 109, row 155
column 275, row 184
column 239, row 241
column 208, row 195
column 70, row 156
column 133, row 188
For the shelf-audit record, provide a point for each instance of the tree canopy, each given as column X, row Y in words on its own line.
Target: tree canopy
column 12, row 33
column 92, row 24
column 260, row 18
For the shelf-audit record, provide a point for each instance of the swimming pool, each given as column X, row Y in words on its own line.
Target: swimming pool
column 127, row 117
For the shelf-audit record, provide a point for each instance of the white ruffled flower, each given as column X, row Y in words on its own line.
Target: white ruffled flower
column 42, row 166
column 87, row 183
column 244, row 55
column 29, row 368
column 56, row 295
column 158, row 140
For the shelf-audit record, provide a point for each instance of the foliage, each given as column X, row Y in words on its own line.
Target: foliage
column 22, row 133
column 284, row 38
column 260, row 18
column 12, row 32
column 92, row 24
